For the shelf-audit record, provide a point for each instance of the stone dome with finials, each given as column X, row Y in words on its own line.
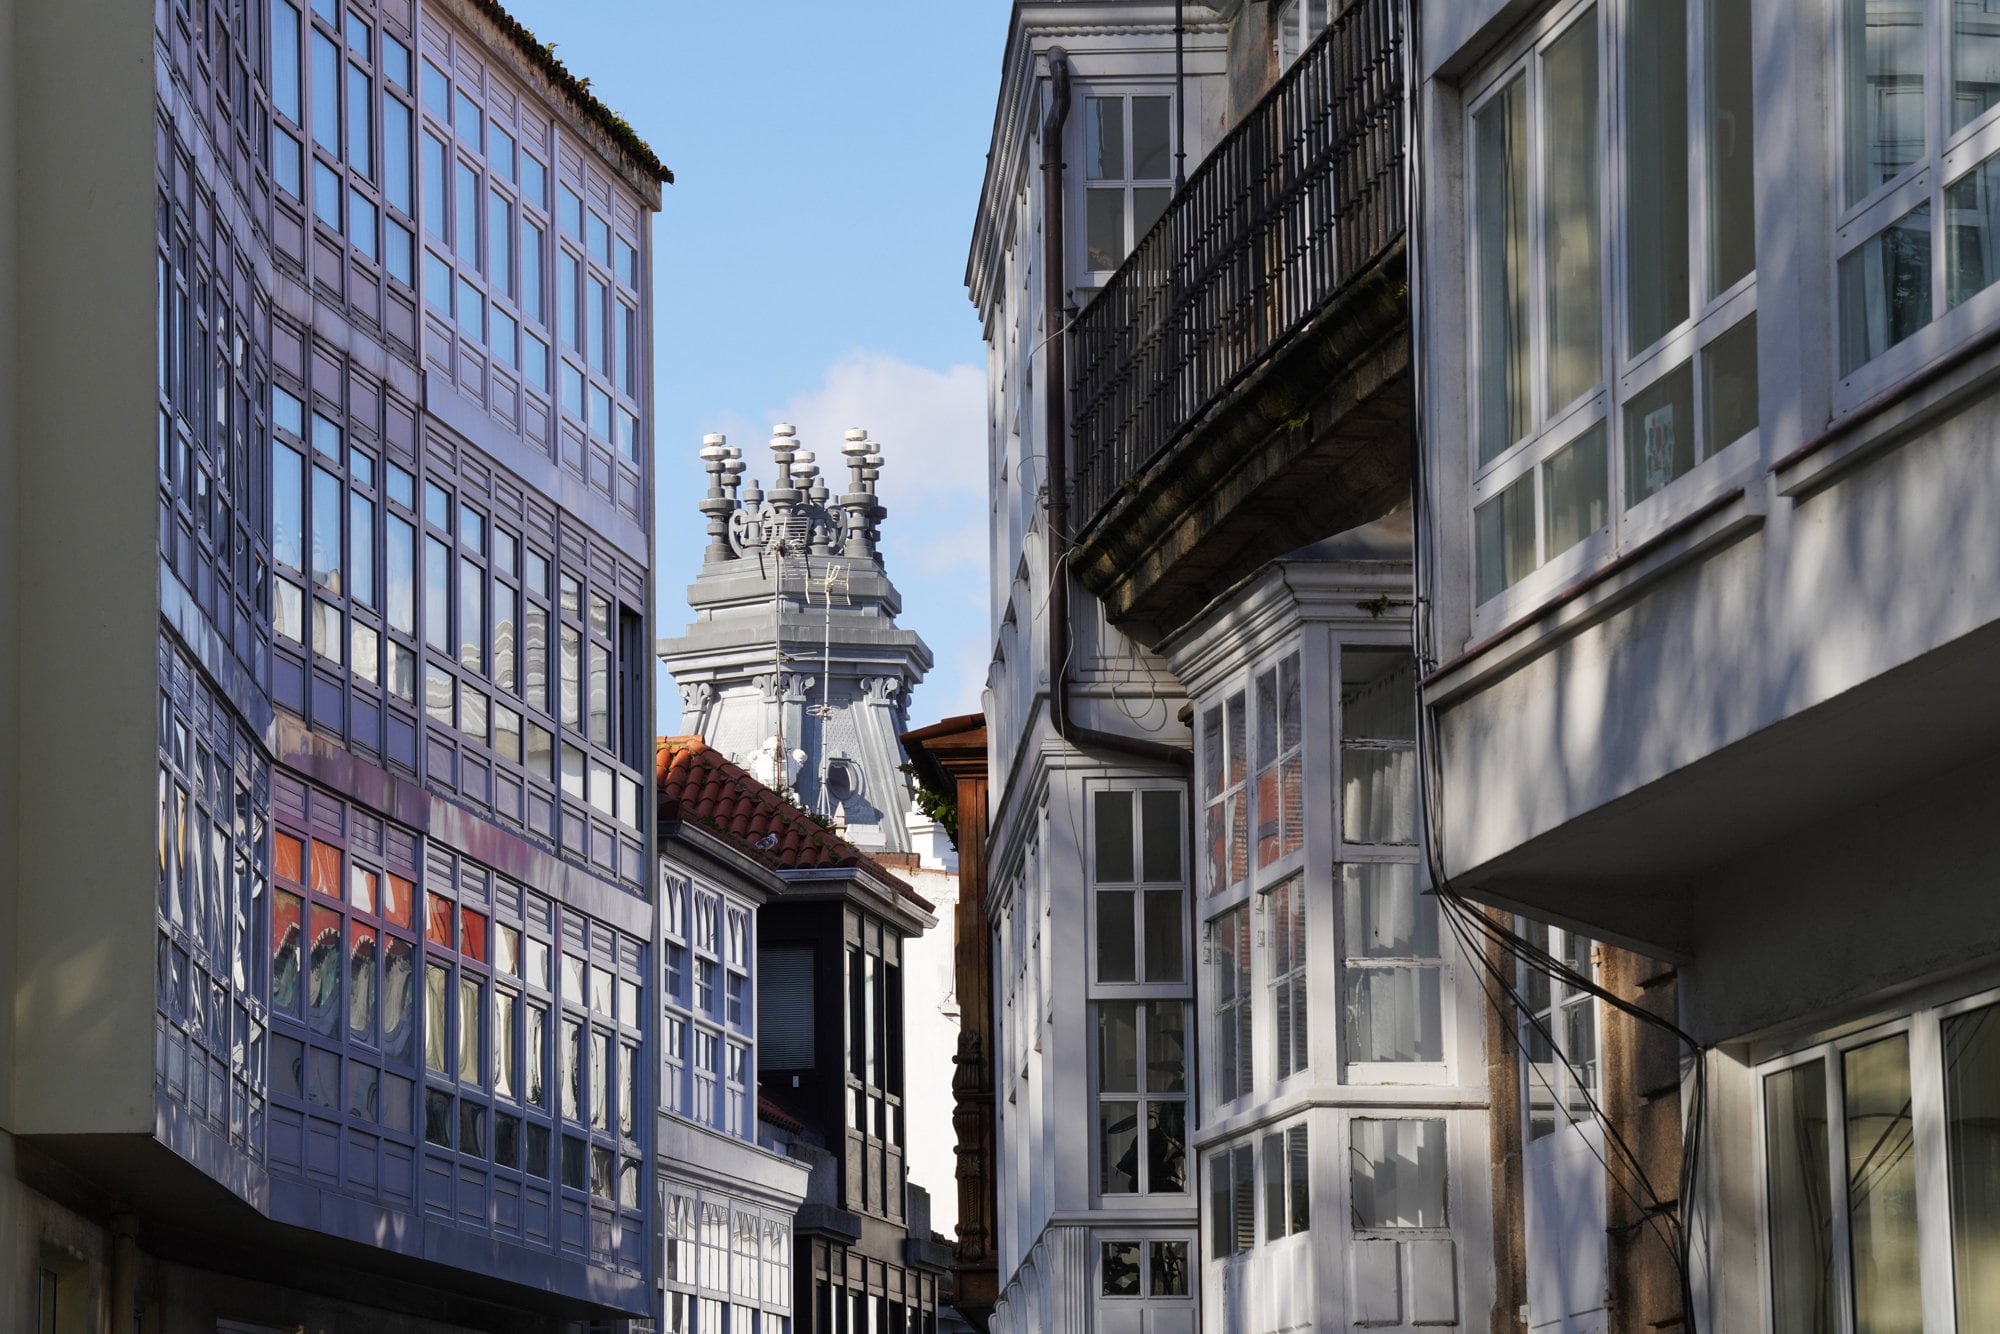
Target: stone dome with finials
column 793, row 666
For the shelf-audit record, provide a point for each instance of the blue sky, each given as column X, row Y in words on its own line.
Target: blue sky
column 810, row 264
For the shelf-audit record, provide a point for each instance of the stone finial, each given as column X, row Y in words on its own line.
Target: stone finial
column 718, row 503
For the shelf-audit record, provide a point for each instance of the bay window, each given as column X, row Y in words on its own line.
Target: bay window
column 1919, row 155
column 1879, row 1145
column 1613, row 322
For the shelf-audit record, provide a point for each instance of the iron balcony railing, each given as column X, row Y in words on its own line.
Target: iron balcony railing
column 1297, row 201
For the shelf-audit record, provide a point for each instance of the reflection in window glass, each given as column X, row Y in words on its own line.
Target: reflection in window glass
column 1883, row 41
column 1882, row 1187
column 1659, row 434
column 1885, row 289
column 1972, row 1149
column 1972, row 207
column 1500, row 250
column 1503, row 535
column 1120, row 1268
column 1732, row 138
column 1571, row 221
column 1398, row 1173
column 1574, row 490
column 1656, row 203
column 1729, row 374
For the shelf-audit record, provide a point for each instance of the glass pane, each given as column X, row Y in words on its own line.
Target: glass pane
column 323, row 986
column 1570, row 220
column 1659, row 434
column 1383, row 916
column 1882, row 1188
column 1972, row 223
column 1393, row 1014
column 1168, row 1268
column 1299, row 1166
column 1243, row 1179
column 1885, row 289
column 437, row 990
column 1504, row 538
column 1148, row 203
column 1500, row 247
column 1166, row 1047
column 1884, row 41
column 1275, row 1212
column 1160, row 835
column 361, row 984
column 1114, row 837
column 1972, row 1148
column 1163, row 935
column 1729, row 377
column 1575, row 488
column 1166, row 1147
column 1152, row 138
column 1118, row 1047
column 1399, row 1174
column 1378, row 695
column 1656, row 201
column 1121, row 1268
column 399, row 997
column 1975, row 60
column 1104, row 228
column 1118, row 1147
column 1104, row 138
column 1116, row 960
column 1378, row 794
column 1732, row 144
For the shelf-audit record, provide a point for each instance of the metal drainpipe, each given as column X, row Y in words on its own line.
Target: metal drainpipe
column 1055, row 381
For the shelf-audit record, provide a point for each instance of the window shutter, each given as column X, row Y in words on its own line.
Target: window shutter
column 785, row 1008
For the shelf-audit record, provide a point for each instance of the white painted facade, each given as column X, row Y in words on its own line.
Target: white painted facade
column 1055, row 1216
column 1343, row 1062
column 1744, row 721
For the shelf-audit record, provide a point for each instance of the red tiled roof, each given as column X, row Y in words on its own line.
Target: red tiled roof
column 699, row 784
column 777, row 1116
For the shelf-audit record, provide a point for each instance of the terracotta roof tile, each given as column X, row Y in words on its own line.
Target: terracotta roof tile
column 699, row 784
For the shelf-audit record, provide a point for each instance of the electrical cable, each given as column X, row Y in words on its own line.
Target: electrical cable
column 1467, row 923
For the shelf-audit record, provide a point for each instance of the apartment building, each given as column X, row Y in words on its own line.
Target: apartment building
column 1706, row 305
column 1202, row 775
column 328, row 910
column 821, row 967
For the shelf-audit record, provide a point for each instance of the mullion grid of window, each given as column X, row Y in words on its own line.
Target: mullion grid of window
column 228, row 45
column 1138, row 890
column 1142, row 1267
column 361, row 932
column 1558, row 297
column 597, row 304
column 1232, row 1200
column 1128, row 173
column 1253, row 783
column 212, row 375
column 1140, row 1079
column 874, row 1064
column 485, row 174
column 1915, row 230
column 1558, row 1034
column 214, row 873
column 342, row 89
column 1391, row 951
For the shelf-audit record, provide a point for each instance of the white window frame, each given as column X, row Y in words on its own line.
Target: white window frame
column 1626, row 372
column 1296, row 25
column 1563, row 999
column 1082, row 275
column 1138, row 887
column 1947, row 157
column 1400, row 854
column 1921, row 1029
column 1141, row 1098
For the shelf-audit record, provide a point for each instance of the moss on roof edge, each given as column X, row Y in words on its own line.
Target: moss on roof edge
column 543, row 56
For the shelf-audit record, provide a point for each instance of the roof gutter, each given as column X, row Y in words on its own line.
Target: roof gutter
column 1055, row 386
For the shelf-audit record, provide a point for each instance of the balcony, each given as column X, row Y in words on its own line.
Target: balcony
column 1241, row 385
